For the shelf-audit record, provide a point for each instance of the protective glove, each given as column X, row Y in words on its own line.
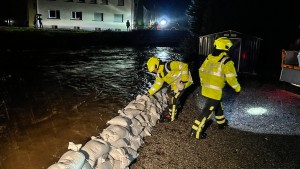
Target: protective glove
column 180, row 86
column 238, row 89
column 184, row 82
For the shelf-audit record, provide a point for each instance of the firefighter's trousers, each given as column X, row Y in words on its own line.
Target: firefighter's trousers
column 212, row 107
column 174, row 103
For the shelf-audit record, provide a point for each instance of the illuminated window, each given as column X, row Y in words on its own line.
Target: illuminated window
column 105, row 2
column 98, row 16
column 77, row 15
column 54, row 14
column 118, row 17
column 120, row 2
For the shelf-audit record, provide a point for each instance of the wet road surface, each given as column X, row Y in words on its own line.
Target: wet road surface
column 263, row 132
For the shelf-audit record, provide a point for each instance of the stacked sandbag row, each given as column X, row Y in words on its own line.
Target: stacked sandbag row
column 116, row 147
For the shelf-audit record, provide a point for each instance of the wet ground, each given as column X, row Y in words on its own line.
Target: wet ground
column 263, row 132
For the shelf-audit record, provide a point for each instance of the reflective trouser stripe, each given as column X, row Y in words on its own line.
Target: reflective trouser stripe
column 177, row 94
column 197, row 122
column 195, row 127
column 200, row 127
column 173, row 113
column 220, row 119
column 210, row 115
column 173, row 110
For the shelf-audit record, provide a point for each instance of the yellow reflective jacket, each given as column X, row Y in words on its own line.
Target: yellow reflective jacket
column 214, row 73
column 173, row 73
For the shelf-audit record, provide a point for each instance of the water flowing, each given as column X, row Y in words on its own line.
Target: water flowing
column 51, row 97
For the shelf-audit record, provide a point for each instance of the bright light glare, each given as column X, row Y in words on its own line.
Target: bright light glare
column 163, row 22
column 162, row 55
column 257, row 111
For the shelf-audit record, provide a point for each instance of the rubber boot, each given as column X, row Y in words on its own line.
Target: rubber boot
column 222, row 126
column 203, row 135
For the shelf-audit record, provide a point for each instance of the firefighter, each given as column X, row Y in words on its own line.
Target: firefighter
column 176, row 76
column 217, row 70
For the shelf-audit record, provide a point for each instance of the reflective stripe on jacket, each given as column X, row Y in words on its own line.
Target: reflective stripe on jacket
column 214, row 73
column 172, row 73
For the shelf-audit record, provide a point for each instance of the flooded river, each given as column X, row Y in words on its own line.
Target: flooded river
column 50, row 98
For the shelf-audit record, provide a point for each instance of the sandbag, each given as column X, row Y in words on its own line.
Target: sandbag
column 135, row 105
column 131, row 113
column 146, row 117
column 143, row 98
column 120, row 120
column 114, row 132
column 86, row 165
column 121, row 157
column 107, row 163
column 146, row 132
column 70, row 160
column 118, row 144
column 136, row 142
column 141, row 119
column 74, row 147
column 119, row 130
column 122, row 142
column 95, row 149
column 136, row 127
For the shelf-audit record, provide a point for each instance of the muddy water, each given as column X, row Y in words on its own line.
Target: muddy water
column 50, row 98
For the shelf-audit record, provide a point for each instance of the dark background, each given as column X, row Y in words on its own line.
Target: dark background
column 276, row 22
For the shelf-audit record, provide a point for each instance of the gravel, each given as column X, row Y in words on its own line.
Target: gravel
column 245, row 144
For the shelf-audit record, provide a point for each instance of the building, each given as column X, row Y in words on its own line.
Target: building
column 81, row 14
column 245, row 51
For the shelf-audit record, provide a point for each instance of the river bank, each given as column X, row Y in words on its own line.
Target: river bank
column 20, row 38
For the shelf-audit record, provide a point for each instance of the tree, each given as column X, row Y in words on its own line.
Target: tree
column 195, row 13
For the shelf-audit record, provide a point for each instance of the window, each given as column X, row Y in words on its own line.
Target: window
column 81, row 1
column 120, row 2
column 77, row 15
column 98, row 16
column 93, row 1
column 69, row 1
column 118, row 17
column 54, row 14
column 105, row 2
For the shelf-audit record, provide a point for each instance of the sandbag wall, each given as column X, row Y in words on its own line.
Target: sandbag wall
column 116, row 147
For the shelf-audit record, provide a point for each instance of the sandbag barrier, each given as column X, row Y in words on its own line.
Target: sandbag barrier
column 116, row 147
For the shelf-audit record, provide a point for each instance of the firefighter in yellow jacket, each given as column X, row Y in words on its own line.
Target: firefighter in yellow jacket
column 176, row 75
column 217, row 70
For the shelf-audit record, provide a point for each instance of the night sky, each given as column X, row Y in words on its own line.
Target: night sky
column 257, row 17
